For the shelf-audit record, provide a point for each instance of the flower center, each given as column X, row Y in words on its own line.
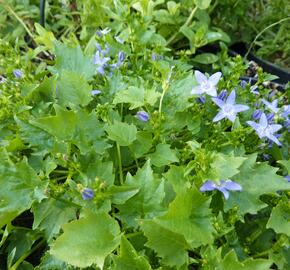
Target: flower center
column 228, row 109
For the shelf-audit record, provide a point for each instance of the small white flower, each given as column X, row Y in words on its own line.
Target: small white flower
column 206, row 85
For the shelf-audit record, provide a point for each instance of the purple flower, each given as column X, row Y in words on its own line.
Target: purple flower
column 206, row 85
column 201, row 99
column 222, row 95
column 229, row 109
column 101, row 62
column 264, row 129
column 266, row 157
column 287, row 124
column 253, row 89
column 243, row 83
column 142, row 116
column 286, row 111
column 154, row 57
column 18, row 73
column 270, row 117
column 103, row 32
column 95, row 92
column 119, row 40
column 257, row 114
column 271, row 105
column 287, row 177
column 225, row 186
column 87, row 193
column 121, row 58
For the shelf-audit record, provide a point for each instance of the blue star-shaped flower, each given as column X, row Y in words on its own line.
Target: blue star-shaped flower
column 225, row 186
column 229, row 109
column 100, row 62
column 264, row 129
column 272, row 106
column 206, row 85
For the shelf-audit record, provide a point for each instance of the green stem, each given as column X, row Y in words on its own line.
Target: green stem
column 185, row 24
column 161, row 101
column 120, row 163
column 9, row 9
column 259, row 34
column 25, row 255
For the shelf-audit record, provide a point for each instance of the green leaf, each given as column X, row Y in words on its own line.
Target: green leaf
column 20, row 186
column 91, row 238
column 73, row 89
column 143, row 143
column 123, row 133
column 151, row 96
column 102, row 170
column 279, row 220
column 163, row 16
column 231, row 262
column 45, row 92
column 176, row 99
column 147, row 203
column 170, row 246
column 81, row 128
column 132, row 95
column 286, row 164
column 214, row 36
column 50, row 215
column 49, row 262
column 188, row 33
column 189, row 215
column 256, row 179
column 202, row 4
column 35, row 137
column 73, row 59
column 129, row 258
column 175, row 175
column 163, row 155
column 205, row 58
column 44, row 37
column 120, row 194
column 224, row 166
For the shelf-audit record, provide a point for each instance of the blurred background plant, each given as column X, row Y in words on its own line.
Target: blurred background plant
column 244, row 20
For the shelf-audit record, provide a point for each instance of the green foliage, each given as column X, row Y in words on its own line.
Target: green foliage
column 129, row 258
column 21, row 186
column 85, row 184
column 92, row 237
column 122, row 133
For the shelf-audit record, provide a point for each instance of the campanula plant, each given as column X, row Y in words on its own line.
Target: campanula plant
column 118, row 151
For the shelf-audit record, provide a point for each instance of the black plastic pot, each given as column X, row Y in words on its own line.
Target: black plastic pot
column 283, row 74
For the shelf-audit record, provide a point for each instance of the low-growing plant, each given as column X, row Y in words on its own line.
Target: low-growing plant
column 118, row 154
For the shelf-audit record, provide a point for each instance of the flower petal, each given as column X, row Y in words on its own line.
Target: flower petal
column 273, row 139
column 231, row 185
column 212, row 91
column 219, row 116
column 218, row 102
column 263, row 121
column 225, row 192
column 240, row 108
column 253, row 124
column 200, row 77
column 231, row 98
column 197, row 90
column 232, row 117
column 275, row 127
column 208, row 186
column 214, row 79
